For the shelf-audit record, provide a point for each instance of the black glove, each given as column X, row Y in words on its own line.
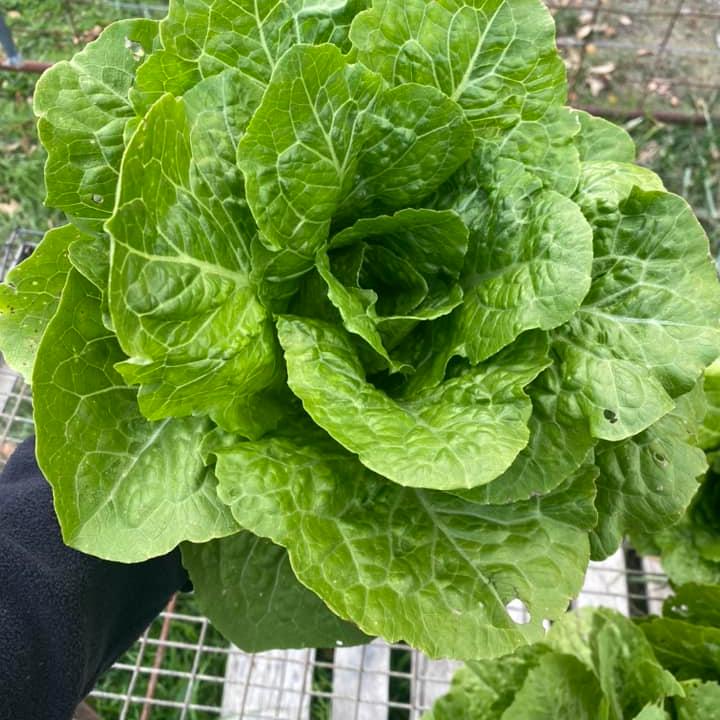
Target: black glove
column 65, row 617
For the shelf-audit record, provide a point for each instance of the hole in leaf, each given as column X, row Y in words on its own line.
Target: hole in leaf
column 660, row 459
column 518, row 612
column 610, row 416
column 135, row 48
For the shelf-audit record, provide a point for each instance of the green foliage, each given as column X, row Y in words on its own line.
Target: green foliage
column 349, row 276
column 593, row 664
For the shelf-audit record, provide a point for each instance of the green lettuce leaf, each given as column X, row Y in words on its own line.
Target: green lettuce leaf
column 386, row 274
column 30, row 296
column 496, row 59
column 85, row 146
column 125, row 489
column 336, row 141
column 559, row 444
column 529, row 258
column 206, row 37
column 182, row 300
column 620, row 657
column 647, row 482
column 701, row 701
column 641, row 338
column 688, row 651
column 546, row 147
column 246, row 587
column 559, row 687
column 486, row 689
column 600, row 140
column 382, row 555
column 709, row 431
column 696, row 604
column 691, row 548
column 461, row 434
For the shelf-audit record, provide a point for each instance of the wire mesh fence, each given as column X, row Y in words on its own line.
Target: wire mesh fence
column 183, row 669
column 629, row 57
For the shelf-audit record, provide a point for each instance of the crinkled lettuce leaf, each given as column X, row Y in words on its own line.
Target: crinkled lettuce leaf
column 246, row 587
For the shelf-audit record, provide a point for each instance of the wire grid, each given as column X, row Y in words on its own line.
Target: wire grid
column 137, row 8
column 183, row 669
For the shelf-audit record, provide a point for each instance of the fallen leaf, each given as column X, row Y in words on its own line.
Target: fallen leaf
column 604, row 69
column 596, row 85
column 10, row 208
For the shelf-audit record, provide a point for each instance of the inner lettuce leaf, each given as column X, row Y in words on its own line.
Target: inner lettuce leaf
column 432, row 440
column 386, row 274
column 347, row 288
column 181, row 297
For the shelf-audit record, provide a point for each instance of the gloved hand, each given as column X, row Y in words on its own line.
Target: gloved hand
column 65, row 617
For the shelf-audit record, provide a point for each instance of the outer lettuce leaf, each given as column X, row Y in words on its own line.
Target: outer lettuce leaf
column 652, row 712
column 181, row 296
column 648, row 326
column 647, row 482
column 696, row 604
column 546, row 147
column 125, row 489
column 688, row 651
column 85, row 146
column 337, row 139
column 691, row 548
column 604, row 186
column 245, row 585
column 30, row 296
column 600, row 140
column 384, row 556
column 594, row 664
column 461, row 434
column 496, row 59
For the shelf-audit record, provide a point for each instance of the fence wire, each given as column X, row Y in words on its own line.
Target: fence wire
column 183, row 669
column 642, row 56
